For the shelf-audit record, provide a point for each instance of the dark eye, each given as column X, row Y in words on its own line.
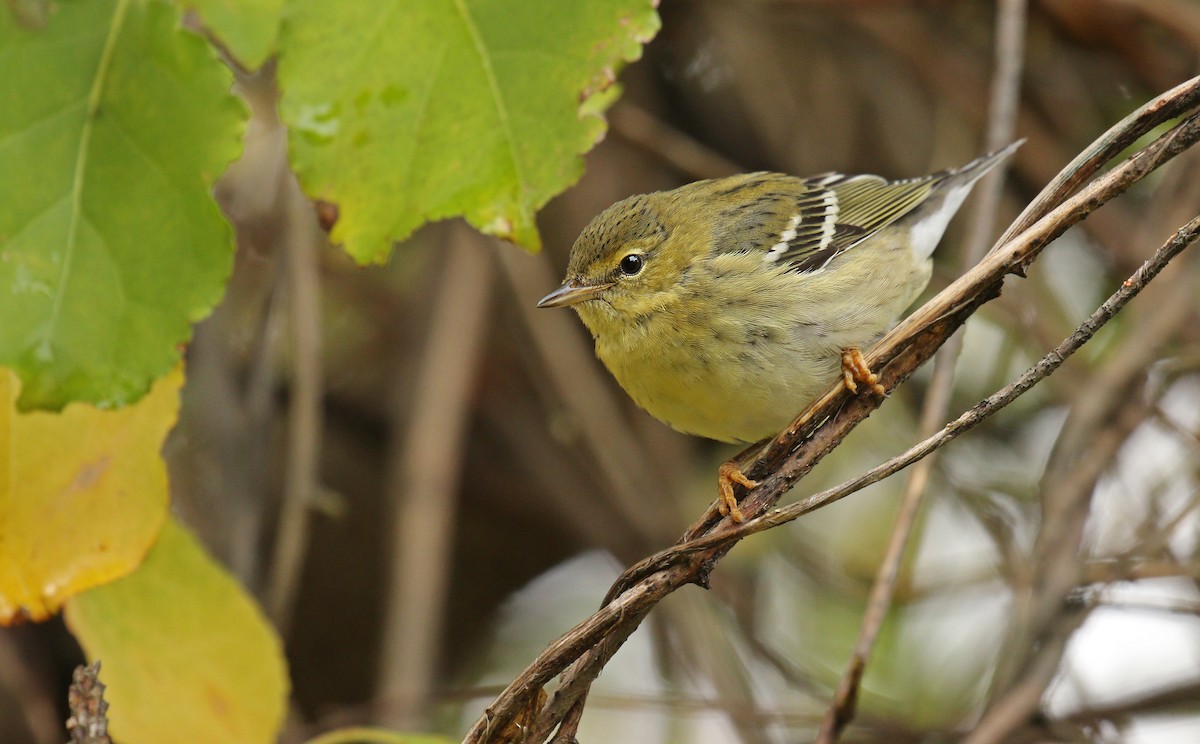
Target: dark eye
column 631, row 264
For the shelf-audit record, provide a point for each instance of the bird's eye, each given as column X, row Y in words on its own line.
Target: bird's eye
column 631, row 264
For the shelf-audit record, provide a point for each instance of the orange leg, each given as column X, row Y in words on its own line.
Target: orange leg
column 855, row 370
column 727, row 475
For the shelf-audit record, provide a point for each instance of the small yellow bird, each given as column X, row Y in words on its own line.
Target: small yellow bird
column 726, row 306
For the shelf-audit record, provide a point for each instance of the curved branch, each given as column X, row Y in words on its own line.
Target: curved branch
column 795, row 451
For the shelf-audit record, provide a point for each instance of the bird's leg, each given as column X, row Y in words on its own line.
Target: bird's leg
column 855, row 370
column 728, row 474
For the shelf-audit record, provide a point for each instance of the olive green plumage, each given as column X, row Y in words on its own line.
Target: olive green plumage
column 722, row 307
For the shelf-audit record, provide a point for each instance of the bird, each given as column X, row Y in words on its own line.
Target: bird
column 725, row 306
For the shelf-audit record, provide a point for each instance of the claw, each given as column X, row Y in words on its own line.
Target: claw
column 855, row 370
column 727, row 475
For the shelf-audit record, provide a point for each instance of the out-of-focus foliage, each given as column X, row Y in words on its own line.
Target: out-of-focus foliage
column 363, row 735
column 83, row 494
column 184, row 650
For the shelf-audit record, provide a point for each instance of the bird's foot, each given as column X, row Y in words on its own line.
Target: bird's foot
column 727, row 475
column 855, row 370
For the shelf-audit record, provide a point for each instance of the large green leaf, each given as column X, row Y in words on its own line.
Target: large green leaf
column 113, row 125
column 403, row 112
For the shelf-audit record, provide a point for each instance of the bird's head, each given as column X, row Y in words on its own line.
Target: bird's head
column 627, row 263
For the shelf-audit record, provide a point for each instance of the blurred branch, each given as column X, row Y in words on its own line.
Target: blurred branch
column 28, row 688
column 1012, row 710
column 792, row 454
column 1159, row 701
column 700, row 629
column 684, row 153
column 1006, row 86
column 1172, row 608
column 1107, row 572
column 303, row 242
column 960, row 84
column 424, row 479
column 1103, row 414
column 1048, row 613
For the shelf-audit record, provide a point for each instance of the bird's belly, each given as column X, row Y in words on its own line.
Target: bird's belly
column 740, row 371
column 750, row 395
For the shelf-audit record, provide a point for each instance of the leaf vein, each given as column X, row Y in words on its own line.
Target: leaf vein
column 81, row 156
column 501, row 109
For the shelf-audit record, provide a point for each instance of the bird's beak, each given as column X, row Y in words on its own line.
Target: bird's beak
column 572, row 293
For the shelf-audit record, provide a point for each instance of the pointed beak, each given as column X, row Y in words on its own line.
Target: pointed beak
column 572, row 293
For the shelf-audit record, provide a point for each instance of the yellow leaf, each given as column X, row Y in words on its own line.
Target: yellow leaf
column 83, row 493
column 187, row 655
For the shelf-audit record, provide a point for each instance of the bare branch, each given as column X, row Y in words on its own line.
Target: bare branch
column 795, row 451
column 1006, row 86
column 303, row 242
column 423, row 483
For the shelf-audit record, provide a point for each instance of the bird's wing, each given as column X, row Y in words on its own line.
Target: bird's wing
column 805, row 222
column 836, row 212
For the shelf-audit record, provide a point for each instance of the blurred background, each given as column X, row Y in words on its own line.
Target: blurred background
column 425, row 480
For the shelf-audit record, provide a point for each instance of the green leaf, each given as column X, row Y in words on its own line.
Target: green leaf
column 113, row 125
column 187, row 655
column 403, row 112
column 370, row 735
column 247, row 28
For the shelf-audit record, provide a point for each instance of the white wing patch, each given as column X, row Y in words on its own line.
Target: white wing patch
column 829, row 224
column 785, row 239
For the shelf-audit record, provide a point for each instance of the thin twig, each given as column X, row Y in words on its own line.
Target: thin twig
column 796, row 450
column 973, row 417
column 684, row 153
column 1006, row 85
column 967, row 421
column 1159, row 701
column 303, row 242
column 1105, row 413
column 673, row 567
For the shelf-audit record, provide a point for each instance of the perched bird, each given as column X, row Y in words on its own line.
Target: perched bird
column 726, row 306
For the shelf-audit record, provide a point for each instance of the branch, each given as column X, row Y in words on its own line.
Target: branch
column 423, row 481
column 792, row 454
column 1006, row 86
column 302, row 243
column 88, row 723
